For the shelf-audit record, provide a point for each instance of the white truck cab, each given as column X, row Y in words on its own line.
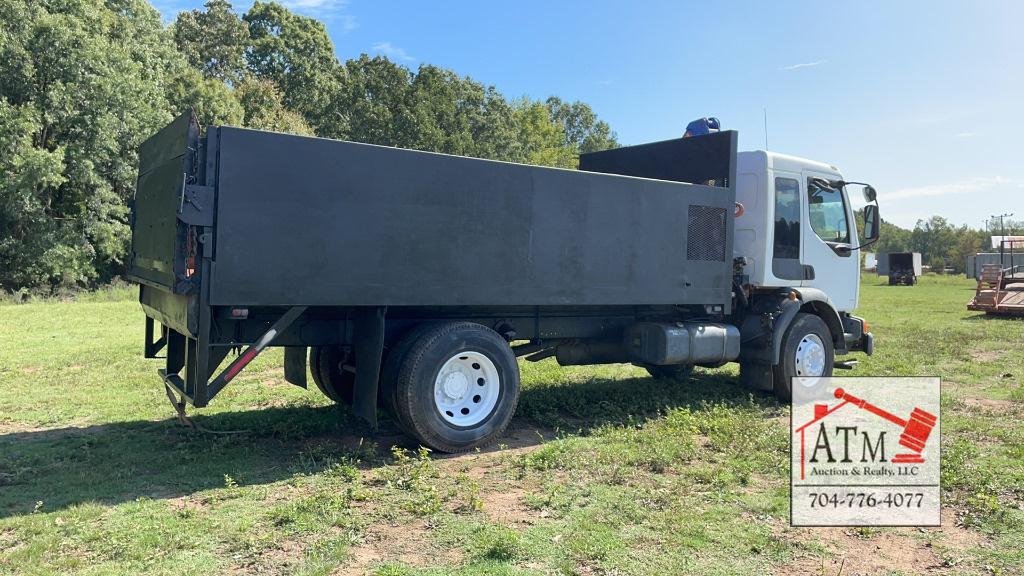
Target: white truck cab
column 792, row 233
column 797, row 261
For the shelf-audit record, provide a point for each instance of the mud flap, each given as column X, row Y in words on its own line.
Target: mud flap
column 369, row 347
column 295, row 365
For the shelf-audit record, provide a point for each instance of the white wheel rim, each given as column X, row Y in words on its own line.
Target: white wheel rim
column 810, row 357
column 466, row 389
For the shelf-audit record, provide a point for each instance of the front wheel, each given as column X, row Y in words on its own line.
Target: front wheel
column 453, row 385
column 807, row 352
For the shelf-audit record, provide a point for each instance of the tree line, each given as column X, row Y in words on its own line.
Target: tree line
column 84, row 82
column 942, row 244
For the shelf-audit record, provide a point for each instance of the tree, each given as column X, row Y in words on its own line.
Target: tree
column 211, row 99
column 82, row 83
column 968, row 243
column 263, row 108
column 457, row 115
column 543, row 140
column 295, row 53
column 371, row 104
column 213, row 41
column 580, row 126
column 934, row 238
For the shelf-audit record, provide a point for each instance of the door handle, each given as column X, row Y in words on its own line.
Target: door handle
column 808, row 272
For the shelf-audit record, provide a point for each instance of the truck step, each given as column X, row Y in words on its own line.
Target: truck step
column 845, row 364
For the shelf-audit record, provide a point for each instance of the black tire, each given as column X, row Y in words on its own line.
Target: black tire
column 390, row 366
column 413, row 368
column 803, row 325
column 314, row 369
column 325, row 365
column 677, row 373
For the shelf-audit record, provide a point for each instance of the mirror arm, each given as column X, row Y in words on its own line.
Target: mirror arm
column 864, row 245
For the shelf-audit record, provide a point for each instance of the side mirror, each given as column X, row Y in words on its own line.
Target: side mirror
column 870, row 194
column 871, row 221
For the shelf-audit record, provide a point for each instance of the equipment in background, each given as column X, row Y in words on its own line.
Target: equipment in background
column 702, row 127
column 1000, row 290
column 976, row 263
column 900, row 267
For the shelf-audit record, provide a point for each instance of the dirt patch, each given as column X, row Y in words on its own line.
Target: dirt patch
column 985, row 355
column 993, row 404
column 520, row 439
column 9, row 540
column 188, row 504
column 25, row 431
column 1002, row 413
column 851, row 552
column 506, row 507
column 282, row 558
column 405, row 542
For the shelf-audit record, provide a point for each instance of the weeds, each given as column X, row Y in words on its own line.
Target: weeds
column 644, row 476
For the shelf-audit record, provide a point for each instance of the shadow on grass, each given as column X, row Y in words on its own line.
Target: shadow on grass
column 985, row 316
column 122, row 461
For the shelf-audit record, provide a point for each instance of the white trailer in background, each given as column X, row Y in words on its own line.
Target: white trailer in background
column 870, row 261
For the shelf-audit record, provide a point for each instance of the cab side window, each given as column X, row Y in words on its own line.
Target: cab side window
column 787, row 219
column 827, row 212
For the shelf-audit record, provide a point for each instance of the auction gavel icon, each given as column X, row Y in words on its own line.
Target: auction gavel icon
column 915, row 430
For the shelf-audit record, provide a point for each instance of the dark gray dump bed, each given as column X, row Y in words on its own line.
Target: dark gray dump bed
column 307, row 221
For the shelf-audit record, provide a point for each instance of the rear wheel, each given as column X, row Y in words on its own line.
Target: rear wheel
column 333, row 371
column 453, row 386
column 675, row 373
column 807, row 352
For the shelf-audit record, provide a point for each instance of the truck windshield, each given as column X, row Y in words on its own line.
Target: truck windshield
column 827, row 212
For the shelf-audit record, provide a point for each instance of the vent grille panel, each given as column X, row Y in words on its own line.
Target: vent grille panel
column 705, row 233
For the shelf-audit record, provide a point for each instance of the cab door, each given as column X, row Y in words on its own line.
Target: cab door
column 787, row 221
column 828, row 238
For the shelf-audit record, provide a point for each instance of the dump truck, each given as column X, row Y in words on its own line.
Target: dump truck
column 901, row 267
column 408, row 282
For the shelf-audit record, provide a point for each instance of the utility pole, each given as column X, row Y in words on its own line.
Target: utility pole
column 1002, row 235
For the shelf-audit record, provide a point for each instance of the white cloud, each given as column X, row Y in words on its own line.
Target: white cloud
column 348, row 23
column 604, row 82
column 804, row 65
column 330, row 12
column 964, row 134
column 965, row 186
column 391, row 51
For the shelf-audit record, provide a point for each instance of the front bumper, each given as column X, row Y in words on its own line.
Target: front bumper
column 857, row 338
column 867, row 343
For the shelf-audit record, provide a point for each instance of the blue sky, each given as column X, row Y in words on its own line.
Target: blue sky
column 922, row 99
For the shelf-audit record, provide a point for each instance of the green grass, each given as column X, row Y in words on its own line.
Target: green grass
column 605, row 471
